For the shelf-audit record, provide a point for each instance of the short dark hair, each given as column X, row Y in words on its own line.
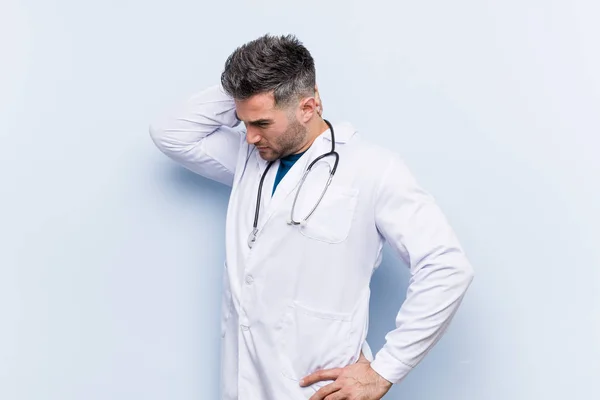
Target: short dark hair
column 270, row 63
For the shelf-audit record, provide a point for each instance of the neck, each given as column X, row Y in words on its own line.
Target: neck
column 315, row 128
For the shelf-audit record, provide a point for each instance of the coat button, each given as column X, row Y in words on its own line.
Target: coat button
column 244, row 327
column 249, row 279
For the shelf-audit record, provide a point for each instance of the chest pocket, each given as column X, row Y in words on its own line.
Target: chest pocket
column 333, row 217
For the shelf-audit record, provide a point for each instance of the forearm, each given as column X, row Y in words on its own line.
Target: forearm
column 201, row 115
column 434, row 296
column 200, row 136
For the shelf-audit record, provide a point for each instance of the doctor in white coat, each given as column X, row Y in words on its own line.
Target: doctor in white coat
column 311, row 206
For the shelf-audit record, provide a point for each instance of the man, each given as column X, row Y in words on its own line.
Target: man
column 301, row 249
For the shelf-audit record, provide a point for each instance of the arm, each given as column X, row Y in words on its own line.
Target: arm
column 408, row 218
column 200, row 135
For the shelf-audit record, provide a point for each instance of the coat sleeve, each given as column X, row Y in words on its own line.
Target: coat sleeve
column 411, row 222
column 200, row 135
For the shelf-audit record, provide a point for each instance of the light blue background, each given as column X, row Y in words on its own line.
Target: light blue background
column 111, row 255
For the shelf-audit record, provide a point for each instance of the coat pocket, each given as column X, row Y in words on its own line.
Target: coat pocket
column 311, row 340
column 332, row 219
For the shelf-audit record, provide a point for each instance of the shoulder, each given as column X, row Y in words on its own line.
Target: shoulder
column 372, row 157
column 382, row 166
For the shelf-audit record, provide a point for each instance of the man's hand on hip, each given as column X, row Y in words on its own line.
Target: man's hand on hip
column 355, row 382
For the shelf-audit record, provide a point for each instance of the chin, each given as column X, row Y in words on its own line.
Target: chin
column 270, row 158
column 268, row 155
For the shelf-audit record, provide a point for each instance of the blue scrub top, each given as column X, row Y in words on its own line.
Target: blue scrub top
column 285, row 163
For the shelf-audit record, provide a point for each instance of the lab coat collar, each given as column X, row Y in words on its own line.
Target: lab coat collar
column 343, row 132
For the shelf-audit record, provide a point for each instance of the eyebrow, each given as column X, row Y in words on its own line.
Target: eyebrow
column 261, row 121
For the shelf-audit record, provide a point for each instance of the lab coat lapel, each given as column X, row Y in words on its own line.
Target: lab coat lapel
column 261, row 166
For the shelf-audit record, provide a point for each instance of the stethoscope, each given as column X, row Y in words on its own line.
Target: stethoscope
column 292, row 221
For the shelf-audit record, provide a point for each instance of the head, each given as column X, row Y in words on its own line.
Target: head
column 272, row 80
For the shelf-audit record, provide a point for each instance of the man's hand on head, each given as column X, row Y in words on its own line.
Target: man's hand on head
column 355, row 382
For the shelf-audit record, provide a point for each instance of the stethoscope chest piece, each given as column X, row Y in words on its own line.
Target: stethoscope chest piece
column 252, row 237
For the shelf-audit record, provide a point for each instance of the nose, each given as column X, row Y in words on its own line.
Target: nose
column 252, row 135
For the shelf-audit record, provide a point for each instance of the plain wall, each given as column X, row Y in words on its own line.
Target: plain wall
column 111, row 255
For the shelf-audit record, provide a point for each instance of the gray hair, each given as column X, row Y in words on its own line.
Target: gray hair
column 270, row 63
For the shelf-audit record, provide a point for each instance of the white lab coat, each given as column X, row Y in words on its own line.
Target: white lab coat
column 298, row 301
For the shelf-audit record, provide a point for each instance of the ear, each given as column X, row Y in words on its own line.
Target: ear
column 308, row 108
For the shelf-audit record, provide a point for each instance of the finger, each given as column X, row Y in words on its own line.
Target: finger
column 339, row 395
column 326, row 391
column 322, row 375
